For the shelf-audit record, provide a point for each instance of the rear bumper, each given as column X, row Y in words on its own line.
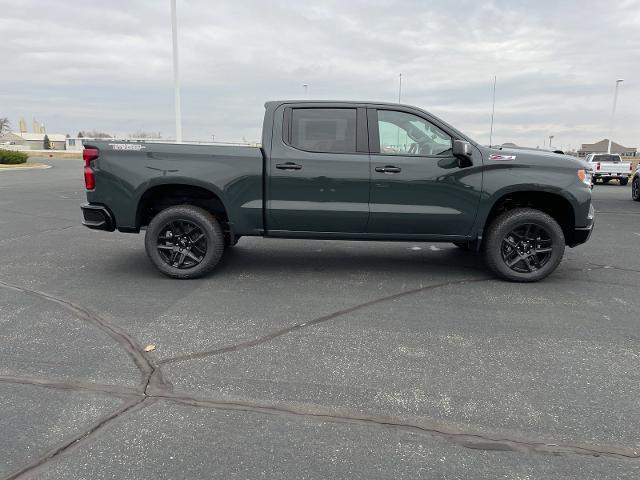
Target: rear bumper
column 97, row 217
column 611, row 175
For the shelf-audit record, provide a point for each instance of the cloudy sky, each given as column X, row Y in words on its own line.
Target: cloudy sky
column 107, row 65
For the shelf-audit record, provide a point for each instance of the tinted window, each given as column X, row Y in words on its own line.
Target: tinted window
column 606, row 158
column 406, row 134
column 331, row 130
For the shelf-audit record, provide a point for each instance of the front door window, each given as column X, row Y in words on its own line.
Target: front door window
column 406, row 134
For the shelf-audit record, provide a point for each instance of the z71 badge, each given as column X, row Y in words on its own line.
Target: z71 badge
column 127, row 146
column 494, row 156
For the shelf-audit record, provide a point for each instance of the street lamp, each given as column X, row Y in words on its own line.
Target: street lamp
column 306, row 90
column 613, row 112
column 551, row 137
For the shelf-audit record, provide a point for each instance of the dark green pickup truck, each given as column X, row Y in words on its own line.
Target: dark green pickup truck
column 342, row 170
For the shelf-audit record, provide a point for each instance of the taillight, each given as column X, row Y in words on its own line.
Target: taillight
column 88, row 155
column 597, row 166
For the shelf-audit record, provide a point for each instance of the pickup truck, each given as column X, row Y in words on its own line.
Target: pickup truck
column 608, row 166
column 341, row 170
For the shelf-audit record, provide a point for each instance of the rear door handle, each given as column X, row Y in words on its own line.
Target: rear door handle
column 388, row 169
column 288, row 166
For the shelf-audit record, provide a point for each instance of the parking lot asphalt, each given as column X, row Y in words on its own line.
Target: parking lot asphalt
column 310, row 359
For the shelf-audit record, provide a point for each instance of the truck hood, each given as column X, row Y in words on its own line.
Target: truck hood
column 538, row 157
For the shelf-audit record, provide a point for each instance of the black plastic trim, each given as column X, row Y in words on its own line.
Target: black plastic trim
column 97, row 217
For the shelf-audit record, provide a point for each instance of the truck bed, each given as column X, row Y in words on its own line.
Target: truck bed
column 124, row 171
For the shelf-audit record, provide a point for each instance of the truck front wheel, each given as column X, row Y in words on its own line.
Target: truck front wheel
column 184, row 241
column 523, row 245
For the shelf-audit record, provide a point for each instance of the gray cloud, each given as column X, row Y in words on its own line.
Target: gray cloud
column 107, row 65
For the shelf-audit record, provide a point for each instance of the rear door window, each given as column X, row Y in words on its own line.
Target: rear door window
column 328, row 130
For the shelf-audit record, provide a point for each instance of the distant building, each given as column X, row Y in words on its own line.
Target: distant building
column 602, row 147
column 34, row 141
column 74, row 144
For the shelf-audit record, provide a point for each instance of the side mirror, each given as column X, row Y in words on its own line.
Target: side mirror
column 463, row 152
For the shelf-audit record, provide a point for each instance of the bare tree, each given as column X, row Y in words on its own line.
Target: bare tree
column 146, row 135
column 5, row 125
column 93, row 134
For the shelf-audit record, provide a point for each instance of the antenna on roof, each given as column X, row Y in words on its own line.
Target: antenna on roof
column 493, row 109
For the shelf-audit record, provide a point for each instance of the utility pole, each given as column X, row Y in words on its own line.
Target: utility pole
column 176, row 76
column 493, row 110
column 613, row 112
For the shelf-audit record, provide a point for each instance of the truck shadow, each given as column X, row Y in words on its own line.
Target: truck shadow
column 282, row 257
column 395, row 259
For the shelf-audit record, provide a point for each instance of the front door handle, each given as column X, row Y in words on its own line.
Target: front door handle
column 388, row 169
column 288, row 166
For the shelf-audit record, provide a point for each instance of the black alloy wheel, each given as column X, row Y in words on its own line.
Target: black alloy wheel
column 182, row 244
column 184, row 241
column 523, row 245
column 527, row 248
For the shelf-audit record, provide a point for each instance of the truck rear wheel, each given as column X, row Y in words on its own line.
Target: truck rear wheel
column 523, row 245
column 624, row 181
column 184, row 241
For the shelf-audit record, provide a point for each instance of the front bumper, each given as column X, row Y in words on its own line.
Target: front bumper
column 582, row 234
column 97, row 217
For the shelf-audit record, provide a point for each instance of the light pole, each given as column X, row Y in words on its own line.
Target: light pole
column 306, row 90
column 176, row 76
column 400, row 89
column 551, row 137
column 613, row 112
column 493, row 109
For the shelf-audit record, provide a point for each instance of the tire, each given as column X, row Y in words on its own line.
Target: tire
column 184, row 242
column 624, row 181
column 635, row 189
column 505, row 238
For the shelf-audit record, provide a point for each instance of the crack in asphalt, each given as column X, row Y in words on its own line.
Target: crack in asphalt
column 613, row 267
column 34, row 234
column 27, row 214
column 311, row 323
column 472, row 440
column 153, row 388
column 76, row 439
column 616, row 213
column 469, row 440
column 114, row 390
column 151, row 377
